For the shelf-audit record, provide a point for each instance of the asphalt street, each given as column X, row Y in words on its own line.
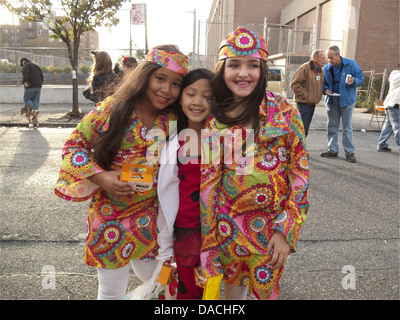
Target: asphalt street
column 348, row 248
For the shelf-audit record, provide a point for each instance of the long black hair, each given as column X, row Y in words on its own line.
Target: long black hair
column 192, row 76
column 130, row 92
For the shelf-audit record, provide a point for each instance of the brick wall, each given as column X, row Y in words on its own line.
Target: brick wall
column 378, row 35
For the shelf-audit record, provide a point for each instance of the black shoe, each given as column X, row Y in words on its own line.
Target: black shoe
column 386, row 149
column 351, row 158
column 328, row 154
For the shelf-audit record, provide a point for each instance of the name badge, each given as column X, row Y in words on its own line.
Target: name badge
column 141, row 176
column 317, row 78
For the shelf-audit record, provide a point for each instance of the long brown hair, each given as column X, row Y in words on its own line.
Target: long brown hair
column 102, row 64
column 225, row 101
column 133, row 86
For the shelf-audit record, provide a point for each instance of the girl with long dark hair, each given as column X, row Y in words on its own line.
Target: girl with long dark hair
column 120, row 130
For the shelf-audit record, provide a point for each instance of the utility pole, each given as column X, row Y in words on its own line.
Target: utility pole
column 194, row 38
column 15, row 51
column 145, row 29
column 130, row 33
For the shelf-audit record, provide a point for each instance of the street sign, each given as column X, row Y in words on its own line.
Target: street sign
column 49, row 20
column 138, row 13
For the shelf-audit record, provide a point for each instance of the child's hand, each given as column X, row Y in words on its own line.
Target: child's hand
column 168, row 262
column 109, row 181
column 279, row 99
column 171, row 264
column 279, row 248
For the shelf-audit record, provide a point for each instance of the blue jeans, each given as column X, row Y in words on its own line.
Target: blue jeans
column 390, row 126
column 335, row 112
column 306, row 112
column 32, row 97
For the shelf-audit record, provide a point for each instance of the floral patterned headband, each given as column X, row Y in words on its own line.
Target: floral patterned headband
column 243, row 43
column 171, row 60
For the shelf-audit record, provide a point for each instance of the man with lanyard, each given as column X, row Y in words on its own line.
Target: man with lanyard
column 342, row 76
column 306, row 84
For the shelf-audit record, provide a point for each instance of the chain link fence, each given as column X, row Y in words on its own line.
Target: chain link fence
column 375, row 87
column 289, row 46
column 56, row 60
column 56, row 69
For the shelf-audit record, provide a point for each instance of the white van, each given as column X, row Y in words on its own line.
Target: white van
column 276, row 80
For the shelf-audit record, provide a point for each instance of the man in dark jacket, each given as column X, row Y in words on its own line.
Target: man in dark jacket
column 32, row 78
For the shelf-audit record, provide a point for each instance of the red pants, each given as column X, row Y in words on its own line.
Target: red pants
column 187, row 256
column 187, row 289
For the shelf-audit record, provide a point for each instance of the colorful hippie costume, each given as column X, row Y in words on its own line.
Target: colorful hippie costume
column 244, row 203
column 119, row 229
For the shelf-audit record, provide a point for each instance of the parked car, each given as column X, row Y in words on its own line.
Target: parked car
column 276, row 80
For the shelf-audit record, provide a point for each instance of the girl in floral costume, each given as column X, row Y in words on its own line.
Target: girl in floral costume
column 254, row 201
column 120, row 130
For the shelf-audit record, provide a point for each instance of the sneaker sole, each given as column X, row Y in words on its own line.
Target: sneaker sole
column 333, row 155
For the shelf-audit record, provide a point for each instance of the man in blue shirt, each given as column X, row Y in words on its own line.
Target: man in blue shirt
column 342, row 76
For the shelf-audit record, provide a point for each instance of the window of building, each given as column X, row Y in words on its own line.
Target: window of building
column 306, row 38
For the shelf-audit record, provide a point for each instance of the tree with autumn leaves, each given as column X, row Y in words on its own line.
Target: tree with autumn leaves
column 78, row 17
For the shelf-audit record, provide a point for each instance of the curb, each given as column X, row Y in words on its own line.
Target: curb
column 41, row 125
column 73, row 125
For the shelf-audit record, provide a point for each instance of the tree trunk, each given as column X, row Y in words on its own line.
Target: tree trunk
column 75, row 82
column 75, row 104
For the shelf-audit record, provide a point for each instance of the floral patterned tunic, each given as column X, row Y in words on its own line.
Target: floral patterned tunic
column 246, row 209
column 119, row 229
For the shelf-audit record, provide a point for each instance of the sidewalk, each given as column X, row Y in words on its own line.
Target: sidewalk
column 351, row 231
column 52, row 116
column 361, row 120
column 55, row 116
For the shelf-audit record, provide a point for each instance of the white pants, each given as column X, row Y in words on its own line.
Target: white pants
column 114, row 282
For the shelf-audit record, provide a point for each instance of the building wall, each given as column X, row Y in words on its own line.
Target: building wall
column 227, row 15
column 31, row 35
column 365, row 30
column 219, row 20
column 378, row 35
column 329, row 17
column 303, row 37
column 251, row 14
column 324, row 32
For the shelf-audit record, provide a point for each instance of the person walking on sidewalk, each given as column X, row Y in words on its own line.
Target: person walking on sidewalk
column 392, row 120
column 342, row 76
column 32, row 78
column 306, row 84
